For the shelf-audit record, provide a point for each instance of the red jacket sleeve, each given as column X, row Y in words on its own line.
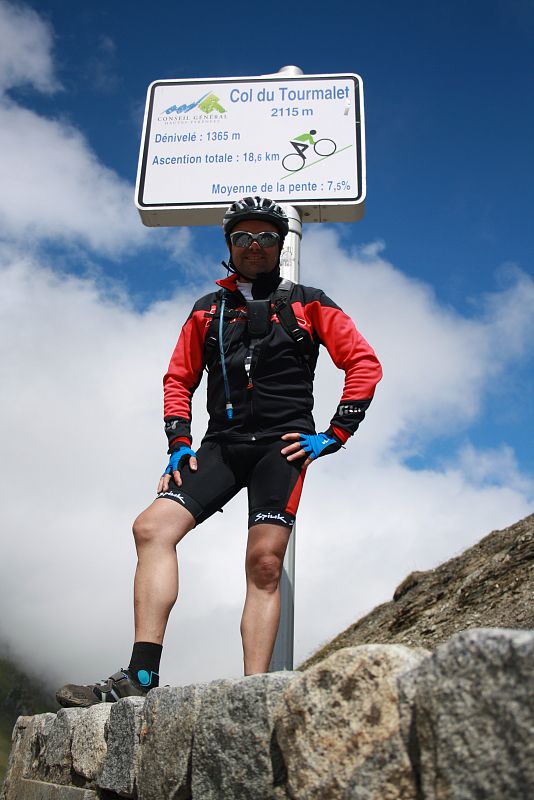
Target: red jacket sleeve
column 184, row 375
column 350, row 352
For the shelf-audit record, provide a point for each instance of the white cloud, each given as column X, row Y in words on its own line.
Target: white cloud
column 509, row 313
column 495, row 466
column 437, row 363
column 54, row 188
column 377, row 524
column 25, row 49
column 83, row 447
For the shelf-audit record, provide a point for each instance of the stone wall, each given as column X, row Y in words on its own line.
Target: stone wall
column 373, row 722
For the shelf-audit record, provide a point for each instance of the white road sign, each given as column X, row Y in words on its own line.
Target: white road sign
column 206, row 143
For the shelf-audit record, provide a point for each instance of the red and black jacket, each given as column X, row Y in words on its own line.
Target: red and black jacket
column 276, row 396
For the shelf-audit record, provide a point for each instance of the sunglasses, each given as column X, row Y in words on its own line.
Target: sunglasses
column 245, row 239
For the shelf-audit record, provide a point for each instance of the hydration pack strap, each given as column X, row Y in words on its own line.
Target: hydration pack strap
column 211, row 343
column 286, row 315
column 282, row 306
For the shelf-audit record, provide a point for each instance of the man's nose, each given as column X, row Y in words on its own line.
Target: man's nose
column 254, row 245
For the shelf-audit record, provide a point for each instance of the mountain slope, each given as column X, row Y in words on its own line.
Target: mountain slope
column 489, row 585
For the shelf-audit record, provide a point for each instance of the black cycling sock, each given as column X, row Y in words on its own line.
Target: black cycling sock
column 144, row 664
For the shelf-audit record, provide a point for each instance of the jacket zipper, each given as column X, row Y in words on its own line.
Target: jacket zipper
column 250, row 385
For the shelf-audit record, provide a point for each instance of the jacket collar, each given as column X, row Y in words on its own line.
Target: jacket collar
column 230, row 282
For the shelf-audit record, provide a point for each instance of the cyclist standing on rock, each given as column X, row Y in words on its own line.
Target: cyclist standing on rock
column 258, row 337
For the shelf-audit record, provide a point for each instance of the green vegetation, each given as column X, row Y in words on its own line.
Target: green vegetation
column 19, row 695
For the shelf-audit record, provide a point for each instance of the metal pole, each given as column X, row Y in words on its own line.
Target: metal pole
column 283, row 647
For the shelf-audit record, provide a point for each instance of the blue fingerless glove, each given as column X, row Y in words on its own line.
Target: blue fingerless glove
column 319, row 444
column 178, row 458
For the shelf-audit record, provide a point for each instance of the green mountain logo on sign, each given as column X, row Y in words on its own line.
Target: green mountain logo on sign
column 208, row 103
column 211, row 103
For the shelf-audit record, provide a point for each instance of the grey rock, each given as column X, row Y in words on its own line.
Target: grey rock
column 167, row 725
column 38, row 741
column 474, row 717
column 340, row 731
column 120, row 764
column 27, row 743
column 382, row 775
column 88, row 740
column 232, row 742
column 55, row 761
column 38, row 790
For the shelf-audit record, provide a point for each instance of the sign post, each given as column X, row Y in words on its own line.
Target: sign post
column 298, row 139
column 282, row 657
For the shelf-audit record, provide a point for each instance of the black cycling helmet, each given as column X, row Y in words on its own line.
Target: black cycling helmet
column 256, row 208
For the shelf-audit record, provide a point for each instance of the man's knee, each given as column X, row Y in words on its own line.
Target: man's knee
column 154, row 527
column 264, row 570
column 145, row 530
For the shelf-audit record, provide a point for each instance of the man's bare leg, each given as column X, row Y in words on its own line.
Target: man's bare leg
column 157, row 531
column 266, row 547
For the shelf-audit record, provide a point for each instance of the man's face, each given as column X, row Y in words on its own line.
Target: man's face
column 254, row 260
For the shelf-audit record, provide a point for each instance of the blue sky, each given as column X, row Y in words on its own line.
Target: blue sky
column 438, row 275
column 448, row 113
column 449, row 124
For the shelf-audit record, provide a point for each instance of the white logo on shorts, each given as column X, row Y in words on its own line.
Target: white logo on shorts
column 173, row 494
column 262, row 517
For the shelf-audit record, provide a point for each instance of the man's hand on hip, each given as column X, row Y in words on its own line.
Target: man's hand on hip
column 177, row 460
column 311, row 445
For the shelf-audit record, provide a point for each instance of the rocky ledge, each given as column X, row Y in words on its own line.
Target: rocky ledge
column 371, row 722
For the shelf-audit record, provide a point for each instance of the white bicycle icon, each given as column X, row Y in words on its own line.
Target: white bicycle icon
column 292, row 162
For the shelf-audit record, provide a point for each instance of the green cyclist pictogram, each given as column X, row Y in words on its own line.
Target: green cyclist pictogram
column 295, row 161
column 211, row 103
column 305, row 137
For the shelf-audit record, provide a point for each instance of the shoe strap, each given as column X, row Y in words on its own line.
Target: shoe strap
column 119, row 676
column 107, row 685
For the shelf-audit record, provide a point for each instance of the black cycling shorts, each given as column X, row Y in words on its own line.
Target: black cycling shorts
column 274, row 484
